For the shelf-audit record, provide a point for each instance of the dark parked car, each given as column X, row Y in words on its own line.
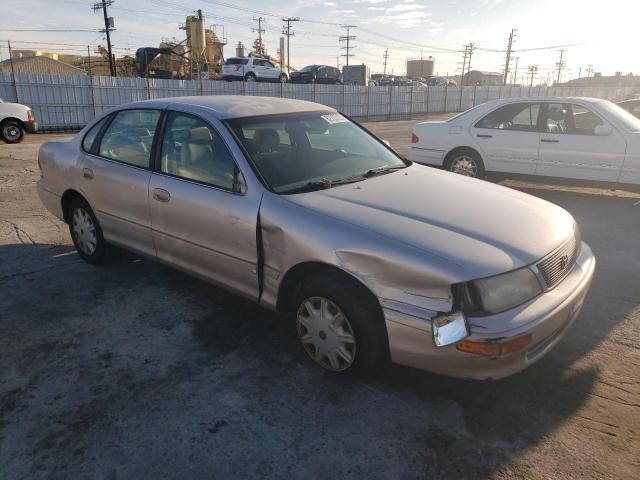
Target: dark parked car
column 632, row 106
column 317, row 74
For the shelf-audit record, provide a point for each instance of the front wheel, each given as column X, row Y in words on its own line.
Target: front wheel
column 11, row 131
column 250, row 77
column 465, row 162
column 340, row 325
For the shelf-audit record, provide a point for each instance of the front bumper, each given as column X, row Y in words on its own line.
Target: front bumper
column 546, row 318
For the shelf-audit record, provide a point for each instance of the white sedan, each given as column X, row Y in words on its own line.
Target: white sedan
column 581, row 138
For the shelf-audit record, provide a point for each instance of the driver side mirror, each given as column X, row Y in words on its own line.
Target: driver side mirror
column 603, row 130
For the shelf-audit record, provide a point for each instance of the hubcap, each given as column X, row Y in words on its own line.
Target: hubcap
column 11, row 132
column 326, row 334
column 84, row 231
column 464, row 165
column 251, row 78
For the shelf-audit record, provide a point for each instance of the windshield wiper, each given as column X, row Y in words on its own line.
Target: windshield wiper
column 324, row 184
column 381, row 170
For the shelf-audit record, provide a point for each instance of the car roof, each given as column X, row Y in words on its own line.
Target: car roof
column 237, row 106
column 545, row 99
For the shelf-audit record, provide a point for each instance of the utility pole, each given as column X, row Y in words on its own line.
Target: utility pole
column 506, row 65
column 560, row 64
column 260, row 31
column 385, row 58
column 109, row 26
column 515, row 72
column 589, row 71
column 286, row 30
column 472, row 46
column 532, row 71
column 347, row 39
column 464, row 64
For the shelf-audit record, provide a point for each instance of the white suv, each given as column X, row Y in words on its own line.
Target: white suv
column 252, row 69
column 15, row 120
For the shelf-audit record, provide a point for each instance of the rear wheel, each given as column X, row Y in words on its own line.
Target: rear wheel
column 338, row 82
column 283, row 78
column 86, row 233
column 340, row 325
column 11, row 131
column 466, row 162
column 250, row 77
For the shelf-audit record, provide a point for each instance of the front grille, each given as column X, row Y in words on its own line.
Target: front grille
column 555, row 266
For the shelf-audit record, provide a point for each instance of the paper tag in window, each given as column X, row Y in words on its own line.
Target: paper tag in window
column 332, row 118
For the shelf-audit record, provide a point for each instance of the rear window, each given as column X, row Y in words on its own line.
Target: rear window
column 236, row 61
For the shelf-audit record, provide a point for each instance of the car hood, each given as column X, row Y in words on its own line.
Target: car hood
column 484, row 228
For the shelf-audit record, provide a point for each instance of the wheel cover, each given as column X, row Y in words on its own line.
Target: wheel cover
column 11, row 132
column 84, row 231
column 464, row 165
column 251, row 78
column 326, row 334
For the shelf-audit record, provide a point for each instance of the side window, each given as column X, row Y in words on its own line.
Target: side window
column 557, row 118
column 90, row 137
column 584, row 121
column 258, row 63
column 515, row 116
column 129, row 137
column 194, row 151
column 269, row 64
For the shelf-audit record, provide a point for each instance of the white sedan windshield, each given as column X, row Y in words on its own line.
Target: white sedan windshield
column 309, row 151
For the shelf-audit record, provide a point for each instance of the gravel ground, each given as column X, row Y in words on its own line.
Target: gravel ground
column 134, row 370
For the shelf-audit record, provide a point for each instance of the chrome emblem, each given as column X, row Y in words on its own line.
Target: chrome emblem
column 564, row 260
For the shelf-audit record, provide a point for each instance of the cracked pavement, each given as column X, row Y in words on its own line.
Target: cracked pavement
column 134, row 370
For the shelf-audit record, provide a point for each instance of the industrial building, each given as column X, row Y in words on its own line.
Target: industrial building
column 39, row 65
column 420, row 67
column 480, row 78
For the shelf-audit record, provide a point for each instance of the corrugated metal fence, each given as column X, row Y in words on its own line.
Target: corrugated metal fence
column 70, row 102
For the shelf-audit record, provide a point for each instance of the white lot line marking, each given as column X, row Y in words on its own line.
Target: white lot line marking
column 604, row 192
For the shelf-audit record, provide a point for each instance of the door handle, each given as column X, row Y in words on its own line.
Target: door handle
column 87, row 173
column 482, row 135
column 161, row 195
column 549, row 140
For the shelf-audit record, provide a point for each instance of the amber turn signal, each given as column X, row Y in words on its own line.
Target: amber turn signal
column 494, row 349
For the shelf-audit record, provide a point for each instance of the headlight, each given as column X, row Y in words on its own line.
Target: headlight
column 503, row 292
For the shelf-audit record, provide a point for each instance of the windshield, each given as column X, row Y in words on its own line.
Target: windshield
column 311, row 150
column 628, row 120
column 236, row 61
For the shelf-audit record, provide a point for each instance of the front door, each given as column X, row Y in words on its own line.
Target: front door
column 508, row 138
column 202, row 219
column 115, row 178
column 570, row 146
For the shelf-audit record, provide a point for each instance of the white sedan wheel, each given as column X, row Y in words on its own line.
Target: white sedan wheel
column 464, row 165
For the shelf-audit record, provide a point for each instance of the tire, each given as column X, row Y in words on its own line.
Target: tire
column 338, row 82
column 283, row 78
column 82, row 223
column 11, row 131
column 329, row 344
column 465, row 161
column 250, row 77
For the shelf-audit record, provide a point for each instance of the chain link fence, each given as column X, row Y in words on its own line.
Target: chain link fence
column 66, row 102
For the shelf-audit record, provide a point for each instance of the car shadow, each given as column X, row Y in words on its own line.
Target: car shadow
column 448, row 426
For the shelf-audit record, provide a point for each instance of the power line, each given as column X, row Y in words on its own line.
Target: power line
column 347, row 39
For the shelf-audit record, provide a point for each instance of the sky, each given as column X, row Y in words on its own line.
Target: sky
column 596, row 33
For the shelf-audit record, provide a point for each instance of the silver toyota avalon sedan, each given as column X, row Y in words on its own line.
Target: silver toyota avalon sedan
column 294, row 206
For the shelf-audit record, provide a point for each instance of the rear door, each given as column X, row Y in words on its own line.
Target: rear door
column 508, row 138
column 569, row 146
column 115, row 174
column 203, row 219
